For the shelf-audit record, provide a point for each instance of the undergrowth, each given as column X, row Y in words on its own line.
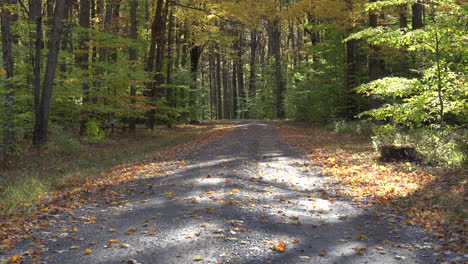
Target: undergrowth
column 429, row 196
column 68, row 162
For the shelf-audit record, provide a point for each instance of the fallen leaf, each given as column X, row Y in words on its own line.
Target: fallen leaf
column 88, row 251
column 281, row 246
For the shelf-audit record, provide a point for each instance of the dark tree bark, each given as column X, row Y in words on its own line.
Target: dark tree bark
column 235, row 94
column 212, row 78
column 219, row 109
column 226, row 92
column 133, row 56
column 195, row 54
column 169, row 57
column 403, row 14
column 150, row 65
column 373, row 56
column 41, row 127
column 83, row 58
column 8, row 63
column 240, row 77
column 35, row 13
column 253, row 67
column 275, row 44
column 418, row 10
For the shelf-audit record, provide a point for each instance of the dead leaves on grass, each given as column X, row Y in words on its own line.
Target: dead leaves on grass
column 412, row 192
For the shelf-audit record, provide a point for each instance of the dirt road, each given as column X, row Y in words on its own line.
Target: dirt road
column 233, row 201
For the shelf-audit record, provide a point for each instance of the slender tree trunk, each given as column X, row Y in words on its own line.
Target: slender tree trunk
column 133, row 56
column 83, row 59
column 169, row 57
column 403, row 14
column 240, row 77
column 275, row 44
column 195, row 54
column 253, row 68
column 373, row 56
column 219, row 109
column 235, row 94
column 35, row 12
column 8, row 63
column 227, row 105
column 418, row 10
column 150, row 67
column 211, row 64
column 41, row 133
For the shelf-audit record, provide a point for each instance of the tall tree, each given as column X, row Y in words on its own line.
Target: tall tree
column 156, row 31
column 275, row 46
column 418, row 10
column 253, row 67
column 9, row 103
column 83, row 58
column 41, row 125
column 133, row 56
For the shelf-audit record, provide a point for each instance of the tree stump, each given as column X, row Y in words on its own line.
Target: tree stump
column 391, row 153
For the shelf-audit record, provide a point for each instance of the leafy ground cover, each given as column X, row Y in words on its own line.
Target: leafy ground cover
column 35, row 188
column 431, row 197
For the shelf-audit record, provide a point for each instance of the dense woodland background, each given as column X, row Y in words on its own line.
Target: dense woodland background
column 94, row 66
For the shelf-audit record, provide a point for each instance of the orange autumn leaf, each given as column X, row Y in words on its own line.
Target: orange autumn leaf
column 281, row 246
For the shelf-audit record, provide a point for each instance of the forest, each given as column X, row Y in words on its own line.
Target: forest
column 119, row 103
column 91, row 65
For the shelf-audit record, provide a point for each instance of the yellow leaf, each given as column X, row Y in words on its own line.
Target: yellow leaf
column 88, row 251
column 361, row 237
column 197, row 259
column 281, row 246
column 74, row 247
column 14, row 259
column 75, row 229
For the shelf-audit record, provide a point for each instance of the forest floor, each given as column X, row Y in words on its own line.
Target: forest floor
column 244, row 195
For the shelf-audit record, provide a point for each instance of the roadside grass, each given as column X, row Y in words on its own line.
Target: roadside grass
column 428, row 196
column 67, row 162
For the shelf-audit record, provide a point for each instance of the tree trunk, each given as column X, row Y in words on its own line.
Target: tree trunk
column 275, row 44
column 195, row 54
column 169, row 57
column 9, row 103
column 253, row 68
column 41, row 131
column 133, row 56
column 83, row 58
column 226, row 94
column 418, row 10
column 235, row 94
column 35, row 13
column 373, row 56
column 155, row 32
column 219, row 112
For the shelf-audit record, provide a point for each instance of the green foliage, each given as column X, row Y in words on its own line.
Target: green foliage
column 437, row 146
column 94, row 133
column 360, row 127
column 316, row 89
column 430, row 110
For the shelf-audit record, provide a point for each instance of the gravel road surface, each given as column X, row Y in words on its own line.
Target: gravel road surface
column 232, row 201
